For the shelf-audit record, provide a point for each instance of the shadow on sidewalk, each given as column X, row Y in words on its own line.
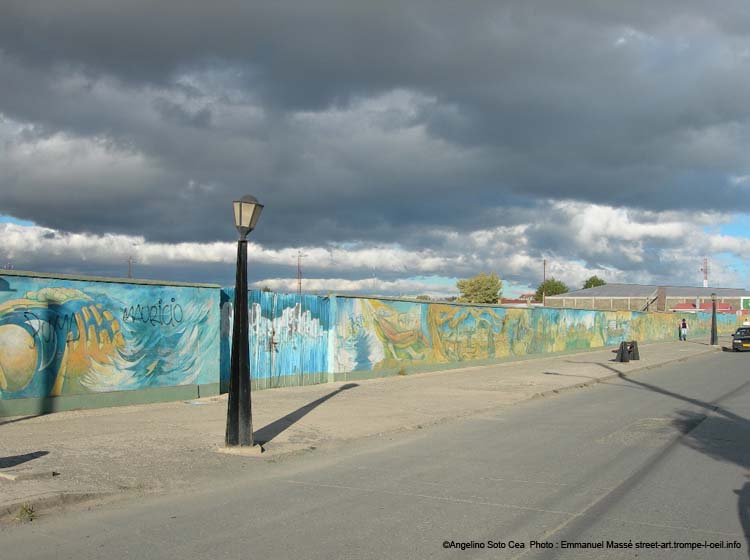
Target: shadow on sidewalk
column 19, row 419
column 570, row 375
column 15, row 460
column 46, row 405
column 601, row 364
column 267, row 433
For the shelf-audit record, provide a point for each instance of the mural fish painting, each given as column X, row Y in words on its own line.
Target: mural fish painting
column 60, row 339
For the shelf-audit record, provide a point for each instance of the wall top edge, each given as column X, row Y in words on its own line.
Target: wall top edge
column 105, row 279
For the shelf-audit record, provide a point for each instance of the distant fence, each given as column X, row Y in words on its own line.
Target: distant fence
column 63, row 335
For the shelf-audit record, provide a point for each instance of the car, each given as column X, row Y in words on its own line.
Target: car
column 741, row 339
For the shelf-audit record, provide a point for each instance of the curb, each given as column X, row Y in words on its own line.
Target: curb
column 9, row 512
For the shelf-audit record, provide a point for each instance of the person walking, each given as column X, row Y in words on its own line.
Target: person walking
column 683, row 330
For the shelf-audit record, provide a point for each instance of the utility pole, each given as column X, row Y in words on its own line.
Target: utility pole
column 300, row 254
column 130, row 267
column 714, row 334
column 544, row 282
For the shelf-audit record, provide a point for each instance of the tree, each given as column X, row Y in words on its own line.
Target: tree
column 424, row 297
column 550, row 287
column 593, row 282
column 482, row 288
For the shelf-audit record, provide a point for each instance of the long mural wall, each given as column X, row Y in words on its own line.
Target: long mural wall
column 382, row 333
column 70, row 337
column 65, row 336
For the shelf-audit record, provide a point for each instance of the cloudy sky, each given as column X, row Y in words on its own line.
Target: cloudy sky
column 397, row 145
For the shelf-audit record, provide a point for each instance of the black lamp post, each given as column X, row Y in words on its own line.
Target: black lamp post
column 714, row 335
column 239, row 412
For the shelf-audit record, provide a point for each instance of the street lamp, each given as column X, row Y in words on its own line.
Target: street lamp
column 239, row 411
column 714, row 335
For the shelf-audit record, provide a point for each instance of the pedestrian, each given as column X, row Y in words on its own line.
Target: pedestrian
column 683, row 330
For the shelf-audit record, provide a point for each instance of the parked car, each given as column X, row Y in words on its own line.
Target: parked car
column 741, row 339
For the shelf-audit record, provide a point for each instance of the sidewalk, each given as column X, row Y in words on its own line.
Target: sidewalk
column 68, row 457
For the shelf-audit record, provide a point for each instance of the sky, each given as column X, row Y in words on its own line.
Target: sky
column 399, row 146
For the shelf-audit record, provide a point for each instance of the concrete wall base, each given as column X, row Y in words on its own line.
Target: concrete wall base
column 48, row 405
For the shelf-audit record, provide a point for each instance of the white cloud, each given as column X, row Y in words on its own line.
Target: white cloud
column 616, row 244
column 33, row 242
column 370, row 286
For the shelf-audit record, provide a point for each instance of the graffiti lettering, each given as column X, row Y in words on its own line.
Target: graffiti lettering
column 356, row 324
column 44, row 329
column 156, row 314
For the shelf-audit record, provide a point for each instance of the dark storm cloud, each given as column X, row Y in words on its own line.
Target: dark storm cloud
column 502, row 106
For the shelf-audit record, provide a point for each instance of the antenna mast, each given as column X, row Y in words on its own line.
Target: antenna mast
column 704, row 270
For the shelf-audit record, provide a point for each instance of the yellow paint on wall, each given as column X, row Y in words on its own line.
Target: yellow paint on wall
column 96, row 315
column 18, row 357
column 90, row 337
column 104, row 339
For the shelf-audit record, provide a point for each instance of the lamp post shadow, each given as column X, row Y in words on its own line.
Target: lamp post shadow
column 15, row 460
column 269, row 432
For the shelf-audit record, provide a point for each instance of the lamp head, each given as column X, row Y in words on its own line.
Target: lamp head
column 246, row 213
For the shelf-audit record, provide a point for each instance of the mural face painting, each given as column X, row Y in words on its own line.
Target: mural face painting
column 64, row 337
column 377, row 334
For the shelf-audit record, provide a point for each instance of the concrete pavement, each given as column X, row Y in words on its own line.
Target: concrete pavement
column 69, row 457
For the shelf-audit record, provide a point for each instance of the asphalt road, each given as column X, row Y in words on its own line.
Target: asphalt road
column 659, row 458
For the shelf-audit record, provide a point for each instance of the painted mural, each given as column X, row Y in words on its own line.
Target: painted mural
column 62, row 337
column 377, row 334
column 288, row 335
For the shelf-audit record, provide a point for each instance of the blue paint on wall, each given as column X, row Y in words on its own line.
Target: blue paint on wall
column 288, row 335
column 61, row 337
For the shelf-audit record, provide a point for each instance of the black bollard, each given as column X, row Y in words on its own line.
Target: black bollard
column 622, row 353
column 634, row 354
